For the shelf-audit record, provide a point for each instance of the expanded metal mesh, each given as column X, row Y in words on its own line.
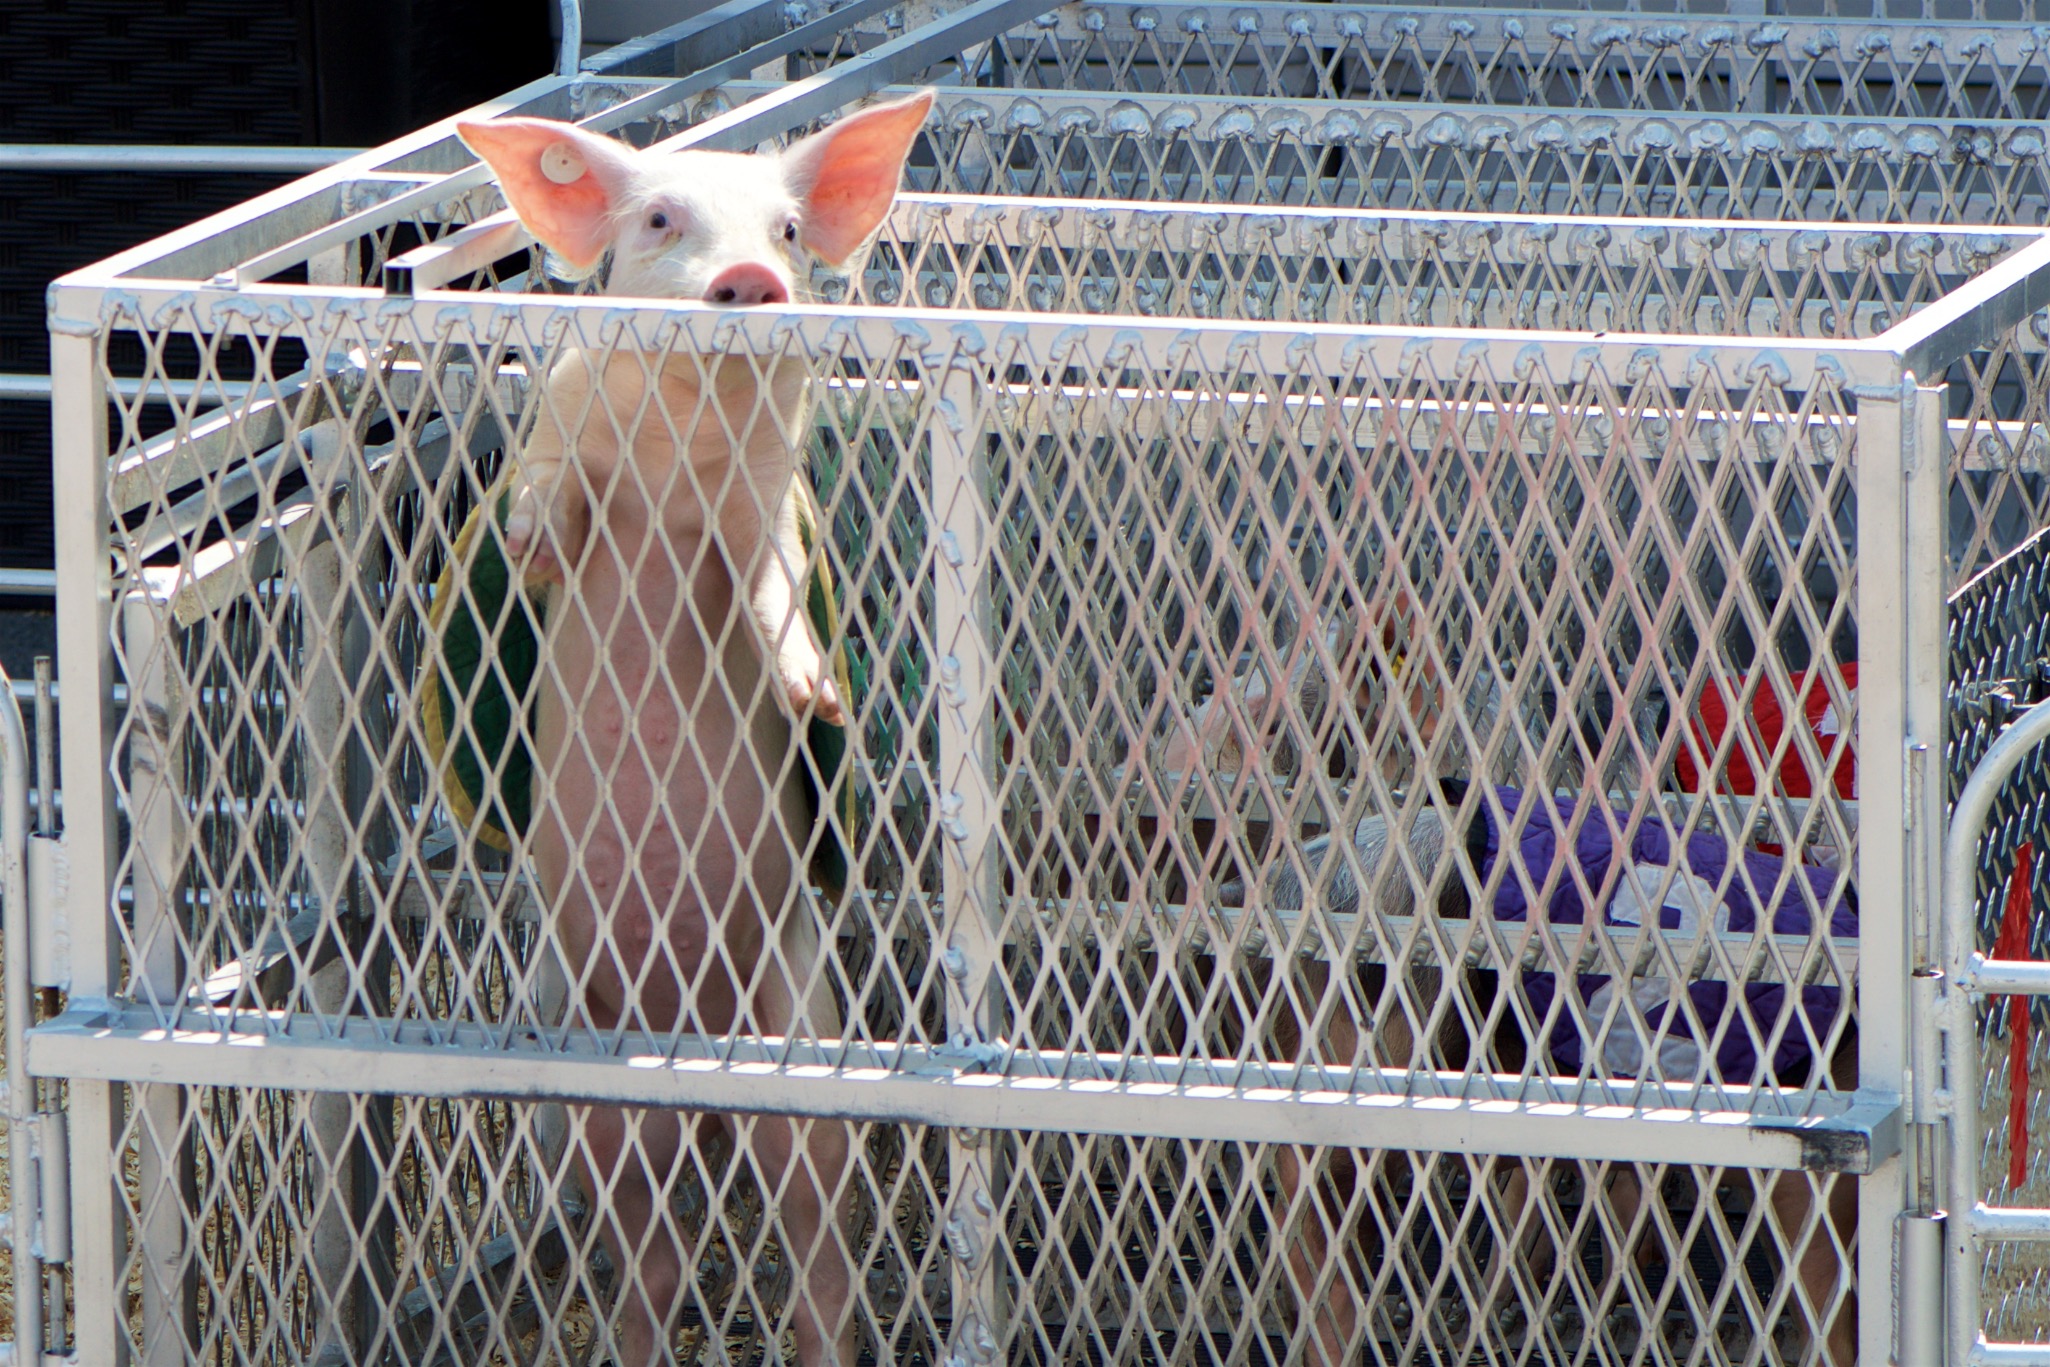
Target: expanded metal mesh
column 1724, row 64
column 1330, row 717
column 443, row 1232
column 1568, row 554
column 1247, row 518
column 377, row 1229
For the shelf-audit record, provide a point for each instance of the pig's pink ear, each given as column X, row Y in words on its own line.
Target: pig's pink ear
column 563, row 182
column 847, row 175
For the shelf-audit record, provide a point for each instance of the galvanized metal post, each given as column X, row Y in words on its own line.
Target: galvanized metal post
column 1900, row 478
column 158, row 830
column 970, row 943
column 1903, row 963
column 85, row 605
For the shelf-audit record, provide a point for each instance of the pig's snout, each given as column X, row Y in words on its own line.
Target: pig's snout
column 745, row 285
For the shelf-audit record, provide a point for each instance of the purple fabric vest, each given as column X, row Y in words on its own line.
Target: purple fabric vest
column 1742, row 1025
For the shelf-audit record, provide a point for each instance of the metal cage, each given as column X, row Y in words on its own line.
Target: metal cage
column 1322, row 882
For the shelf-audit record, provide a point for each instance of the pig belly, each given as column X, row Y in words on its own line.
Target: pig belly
column 643, row 771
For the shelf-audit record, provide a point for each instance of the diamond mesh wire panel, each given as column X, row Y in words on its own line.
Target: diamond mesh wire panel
column 1555, row 559
column 1118, row 1250
column 1235, row 711
column 1133, row 480
column 1721, row 64
column 372, row 1228
column 1467, row 160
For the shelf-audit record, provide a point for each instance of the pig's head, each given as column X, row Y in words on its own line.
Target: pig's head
column 724, row 227
column 1249, row 723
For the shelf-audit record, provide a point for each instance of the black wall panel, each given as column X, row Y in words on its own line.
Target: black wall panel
column 346, row 73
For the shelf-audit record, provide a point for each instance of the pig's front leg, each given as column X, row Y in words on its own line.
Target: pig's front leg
column 562, row 460
column 777, row 597
column 548, row 515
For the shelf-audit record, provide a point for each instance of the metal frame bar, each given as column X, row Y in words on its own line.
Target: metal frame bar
column 1486, row 27
column 762, row 330
column 85, row 605
column 171, row 159
column 1888, row 422
column 1022, row 1090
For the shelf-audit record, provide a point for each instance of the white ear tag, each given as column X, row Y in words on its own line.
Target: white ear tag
column 561, row 164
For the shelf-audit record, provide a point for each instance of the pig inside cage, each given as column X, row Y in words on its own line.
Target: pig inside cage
column 1152, row 751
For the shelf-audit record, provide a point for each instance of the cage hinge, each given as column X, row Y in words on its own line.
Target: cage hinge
column 49, row 939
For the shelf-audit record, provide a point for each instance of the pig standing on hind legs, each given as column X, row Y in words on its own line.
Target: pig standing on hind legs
column 658, row 516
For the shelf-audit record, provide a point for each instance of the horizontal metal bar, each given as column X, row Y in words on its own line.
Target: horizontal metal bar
column 36, row 388
column 1424, row 128
column 2007, row 1224
column 28, row 582
column 1286, row 348
column 209, row 443
column 1025, row 1090
column 1969, row 317
column 1977, row 444
column 157, row 159
column 2005, row 977
column 1823, row 240
column 1918, row 44
column 2010, row 1354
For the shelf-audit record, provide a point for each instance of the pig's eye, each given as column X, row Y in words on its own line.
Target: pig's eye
column 658, row 220
column 790, row 232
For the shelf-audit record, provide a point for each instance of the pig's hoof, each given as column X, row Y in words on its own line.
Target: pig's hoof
column 829, row 707
column 820, row 696
column 544, row 565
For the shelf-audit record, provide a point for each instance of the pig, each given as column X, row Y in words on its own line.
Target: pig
column 1240, row 732
column 1246, row 727
column 660, row 497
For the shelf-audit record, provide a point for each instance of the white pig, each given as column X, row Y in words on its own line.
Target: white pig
column 662, row 496
column 1248, row 725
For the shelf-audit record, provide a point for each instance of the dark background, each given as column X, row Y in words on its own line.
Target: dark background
column 335, row 73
